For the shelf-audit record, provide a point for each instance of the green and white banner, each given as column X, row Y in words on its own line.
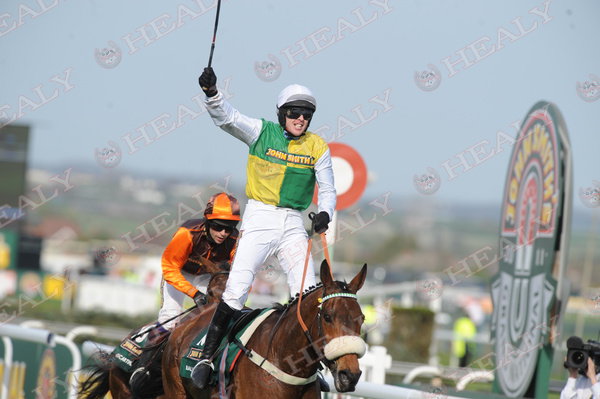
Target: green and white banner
column 525, row 292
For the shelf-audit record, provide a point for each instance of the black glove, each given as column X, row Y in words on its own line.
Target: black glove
column 200, row 299
column 208, row 82
column 321, row 222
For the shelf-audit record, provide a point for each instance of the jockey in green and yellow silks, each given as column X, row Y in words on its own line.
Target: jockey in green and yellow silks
column 284, row 162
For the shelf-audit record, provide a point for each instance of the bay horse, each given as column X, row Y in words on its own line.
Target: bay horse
column 293, row 352
column 106, row 377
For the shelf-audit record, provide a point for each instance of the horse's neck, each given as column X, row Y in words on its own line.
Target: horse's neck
column 293, row 342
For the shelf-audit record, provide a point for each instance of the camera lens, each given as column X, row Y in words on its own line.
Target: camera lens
column 578, row 359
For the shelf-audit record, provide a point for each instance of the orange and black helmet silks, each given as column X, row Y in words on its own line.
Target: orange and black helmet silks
column 223, row 207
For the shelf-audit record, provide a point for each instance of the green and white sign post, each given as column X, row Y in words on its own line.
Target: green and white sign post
column 530, row 291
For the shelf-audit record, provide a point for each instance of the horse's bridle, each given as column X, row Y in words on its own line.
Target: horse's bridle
column 319, row 317
column 355, row 348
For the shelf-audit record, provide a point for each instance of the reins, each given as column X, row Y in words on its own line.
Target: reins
column 311, row 216
column 180, row 314
column 144, row 331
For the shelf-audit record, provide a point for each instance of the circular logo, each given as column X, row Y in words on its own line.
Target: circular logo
column 589, row 91
column 268, row 71
column 105, row 360
column 46, row 385
column 266, row 170
column 108, row 255
column 350, row 173
column 592, row 301
column 265, row 379
column 590, row 196
column 269, row 272
column 109, row 57
column 429, row 79
column 108, row 157
column 428, row 183
column 431, row 288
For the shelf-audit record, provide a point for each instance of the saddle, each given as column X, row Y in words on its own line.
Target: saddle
column 229, row 349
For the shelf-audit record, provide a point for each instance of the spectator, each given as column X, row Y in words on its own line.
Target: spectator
column 582, row 386
column 463, row 346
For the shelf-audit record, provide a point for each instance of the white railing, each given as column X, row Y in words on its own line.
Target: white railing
column 375, row 365
column 41, row 336
column 11, row 331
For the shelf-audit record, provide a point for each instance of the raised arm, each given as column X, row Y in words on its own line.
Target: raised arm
column 224, row 115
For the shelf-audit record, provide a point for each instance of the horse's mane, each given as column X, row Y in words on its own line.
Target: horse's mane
column 342, row 285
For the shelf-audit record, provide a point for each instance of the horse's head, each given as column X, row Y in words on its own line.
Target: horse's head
column 340, row 320
column 219, row 273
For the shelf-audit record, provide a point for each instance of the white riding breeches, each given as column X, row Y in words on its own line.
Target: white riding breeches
column 268, row 230
column 172, row 298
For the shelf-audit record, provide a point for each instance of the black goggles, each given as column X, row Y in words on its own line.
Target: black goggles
column 294, row 113
column 220, row 227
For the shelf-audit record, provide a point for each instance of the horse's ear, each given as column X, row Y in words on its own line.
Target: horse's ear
column 211, row 267
column 326, row 277
column 358, row 280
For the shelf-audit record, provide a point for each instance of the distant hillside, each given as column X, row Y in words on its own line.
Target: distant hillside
column 415, row 233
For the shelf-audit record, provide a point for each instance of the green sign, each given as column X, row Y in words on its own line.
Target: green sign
column 39, row 371
column 524, row 291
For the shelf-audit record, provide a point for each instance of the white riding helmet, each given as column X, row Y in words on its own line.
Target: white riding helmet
column 295, row 96
column 298, row 95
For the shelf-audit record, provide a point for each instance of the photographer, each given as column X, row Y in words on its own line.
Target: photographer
column 586, row 386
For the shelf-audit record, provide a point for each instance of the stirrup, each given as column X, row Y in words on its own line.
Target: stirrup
column 200, row 374
column 137, row 373
column 202, row 362
column 205, row 361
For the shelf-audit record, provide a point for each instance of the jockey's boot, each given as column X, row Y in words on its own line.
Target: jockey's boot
column 216, row 332
column 141, row 375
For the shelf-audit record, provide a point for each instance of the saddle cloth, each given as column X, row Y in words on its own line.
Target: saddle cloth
column 128, row 352
column 228, row 351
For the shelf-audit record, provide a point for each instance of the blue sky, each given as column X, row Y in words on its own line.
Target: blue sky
column 358, row 57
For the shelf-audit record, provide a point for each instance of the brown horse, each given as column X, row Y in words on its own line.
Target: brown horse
column 293, row 355
column 106, row 377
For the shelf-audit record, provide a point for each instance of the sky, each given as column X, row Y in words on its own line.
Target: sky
column 113, row 84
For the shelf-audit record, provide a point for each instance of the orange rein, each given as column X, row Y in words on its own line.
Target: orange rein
column 324, row 241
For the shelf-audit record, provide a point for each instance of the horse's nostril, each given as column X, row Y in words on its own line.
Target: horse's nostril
column 347, row 377
column 346, row 380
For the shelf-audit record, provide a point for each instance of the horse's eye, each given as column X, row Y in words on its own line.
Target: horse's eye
column 327, row 318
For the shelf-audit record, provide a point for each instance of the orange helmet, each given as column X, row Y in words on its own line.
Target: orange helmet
column 223, row 207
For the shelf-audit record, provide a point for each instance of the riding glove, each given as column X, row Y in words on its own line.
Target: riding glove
column 321, row 222
column 208, row 82
column 200, row 299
